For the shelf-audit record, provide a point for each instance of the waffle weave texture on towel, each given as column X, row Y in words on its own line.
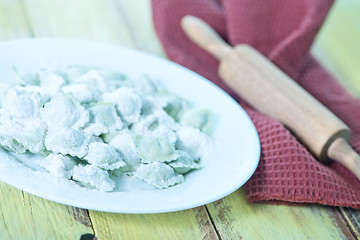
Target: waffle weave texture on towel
column 282, row 30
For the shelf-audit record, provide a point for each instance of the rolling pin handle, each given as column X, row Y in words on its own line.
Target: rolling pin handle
column 341, row 151
column 202, row 34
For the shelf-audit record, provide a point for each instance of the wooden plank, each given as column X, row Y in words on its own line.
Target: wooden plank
column 24, row 216
column 352, row 218
column 338, row 43
column 141, row 27
column 13, row 20
column 189, row 224
column 59, row 18
column 330, row 218
column 337, row 47
column 236, row 219
column 95, row 20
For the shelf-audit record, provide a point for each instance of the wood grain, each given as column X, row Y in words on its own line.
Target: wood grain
column 337, row 48
column 236, row 219
column 188, row 224
column 139, row 19
column 126, row 22
column 13, row 20
column 337, row 45
column 27, row 216
column 24, row 215
column 82, row 19
column 95, row 21
column 352, row 218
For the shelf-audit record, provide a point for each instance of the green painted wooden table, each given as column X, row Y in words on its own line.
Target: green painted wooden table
column 128, row 23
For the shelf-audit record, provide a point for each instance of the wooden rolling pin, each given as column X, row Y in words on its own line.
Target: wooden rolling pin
column 272, row 92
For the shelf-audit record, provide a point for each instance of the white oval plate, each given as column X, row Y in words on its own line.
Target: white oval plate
column 238, row 147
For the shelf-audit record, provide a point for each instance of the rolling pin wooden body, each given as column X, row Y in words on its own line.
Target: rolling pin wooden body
column 272, row 92
column 269, row 90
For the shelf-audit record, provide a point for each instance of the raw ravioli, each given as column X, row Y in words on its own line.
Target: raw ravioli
column 104, row 156
column 94, row 79
column 157, row 124
column 25, row 78
column 51, row 83
column 144, row 85
column 73, row 72
column 103, row 119
column 198, row 118
column 151, row 122
column 184, row 163
column 174, row 106
column 158, row 174
column 193, row 141
column 64, row 111
column 92, row 125
column 32, row 138
column 58, row 165
column 83, row 92
column 155, row 149
column 127, row 102
column 93, row 176
column 8, row 142
column 20, row 107
column 124, row 143
column 67, row 141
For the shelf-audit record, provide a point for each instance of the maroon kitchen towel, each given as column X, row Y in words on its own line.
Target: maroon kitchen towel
column 283, row 30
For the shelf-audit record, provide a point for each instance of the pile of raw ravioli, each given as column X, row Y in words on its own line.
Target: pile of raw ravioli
column 92, row 125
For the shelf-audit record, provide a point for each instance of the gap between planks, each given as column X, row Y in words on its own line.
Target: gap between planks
column 212, row 223
column 91, row 223
column 351, row 221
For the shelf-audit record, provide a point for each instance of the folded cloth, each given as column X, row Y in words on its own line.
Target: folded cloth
column 282, row 30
